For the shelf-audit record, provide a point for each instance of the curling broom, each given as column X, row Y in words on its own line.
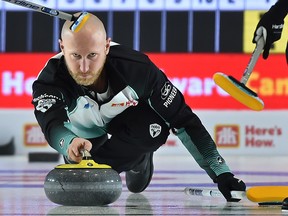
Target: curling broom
column 77, row 24
column 259, row 194
column 239, row 90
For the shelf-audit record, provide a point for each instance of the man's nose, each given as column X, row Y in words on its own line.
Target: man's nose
column 84, row 65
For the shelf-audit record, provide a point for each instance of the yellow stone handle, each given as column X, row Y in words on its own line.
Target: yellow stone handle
column 86, row 163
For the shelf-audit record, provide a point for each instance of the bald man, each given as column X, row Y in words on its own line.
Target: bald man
column 95, row 87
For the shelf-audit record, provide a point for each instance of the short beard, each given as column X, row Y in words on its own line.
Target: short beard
column 83, row 81
column 86, row 82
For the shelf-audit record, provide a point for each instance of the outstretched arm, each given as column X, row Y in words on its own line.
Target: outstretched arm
column 169, row 103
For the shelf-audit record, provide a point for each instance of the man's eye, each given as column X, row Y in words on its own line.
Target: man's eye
column 92, row 54
column 76, row 55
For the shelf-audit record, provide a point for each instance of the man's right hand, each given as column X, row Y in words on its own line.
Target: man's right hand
column 75, row 147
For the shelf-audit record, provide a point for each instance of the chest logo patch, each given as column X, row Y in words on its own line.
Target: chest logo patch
column 165, row 90
column 155, row 130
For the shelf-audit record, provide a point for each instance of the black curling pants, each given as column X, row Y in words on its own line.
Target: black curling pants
column 134, row 132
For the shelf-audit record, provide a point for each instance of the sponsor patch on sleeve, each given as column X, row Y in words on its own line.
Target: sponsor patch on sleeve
column 45, row 102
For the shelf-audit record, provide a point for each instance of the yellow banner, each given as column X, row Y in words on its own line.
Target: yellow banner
column 251, row 19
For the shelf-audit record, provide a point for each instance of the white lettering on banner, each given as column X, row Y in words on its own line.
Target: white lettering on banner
column 14, row 83
column 10, row 84
column 28, row 85
column 195, row 86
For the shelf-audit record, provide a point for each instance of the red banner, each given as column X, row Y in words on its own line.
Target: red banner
column 191, row 73
column 17, row 73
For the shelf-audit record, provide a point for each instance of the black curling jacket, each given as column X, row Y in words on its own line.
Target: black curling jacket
column 65, row 110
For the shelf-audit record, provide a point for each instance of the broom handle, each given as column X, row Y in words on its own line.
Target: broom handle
column 255, row 55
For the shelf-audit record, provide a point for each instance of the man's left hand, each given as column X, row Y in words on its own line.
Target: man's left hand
column 227, row 183
column 270, row 27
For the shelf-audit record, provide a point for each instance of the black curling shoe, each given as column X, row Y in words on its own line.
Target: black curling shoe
column 138, row 179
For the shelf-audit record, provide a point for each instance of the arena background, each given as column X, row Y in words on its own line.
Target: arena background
column 189, row 39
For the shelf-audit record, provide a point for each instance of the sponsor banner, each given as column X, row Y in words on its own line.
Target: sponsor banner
column 17, row 73
column 33, row 136
column 235, row 133
column 240, row 133
column 190, row 73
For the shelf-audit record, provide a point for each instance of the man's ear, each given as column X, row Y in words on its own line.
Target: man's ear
column 61, row 44
column 107, row 46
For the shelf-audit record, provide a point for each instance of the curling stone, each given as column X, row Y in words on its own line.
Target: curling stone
column 85, row 184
